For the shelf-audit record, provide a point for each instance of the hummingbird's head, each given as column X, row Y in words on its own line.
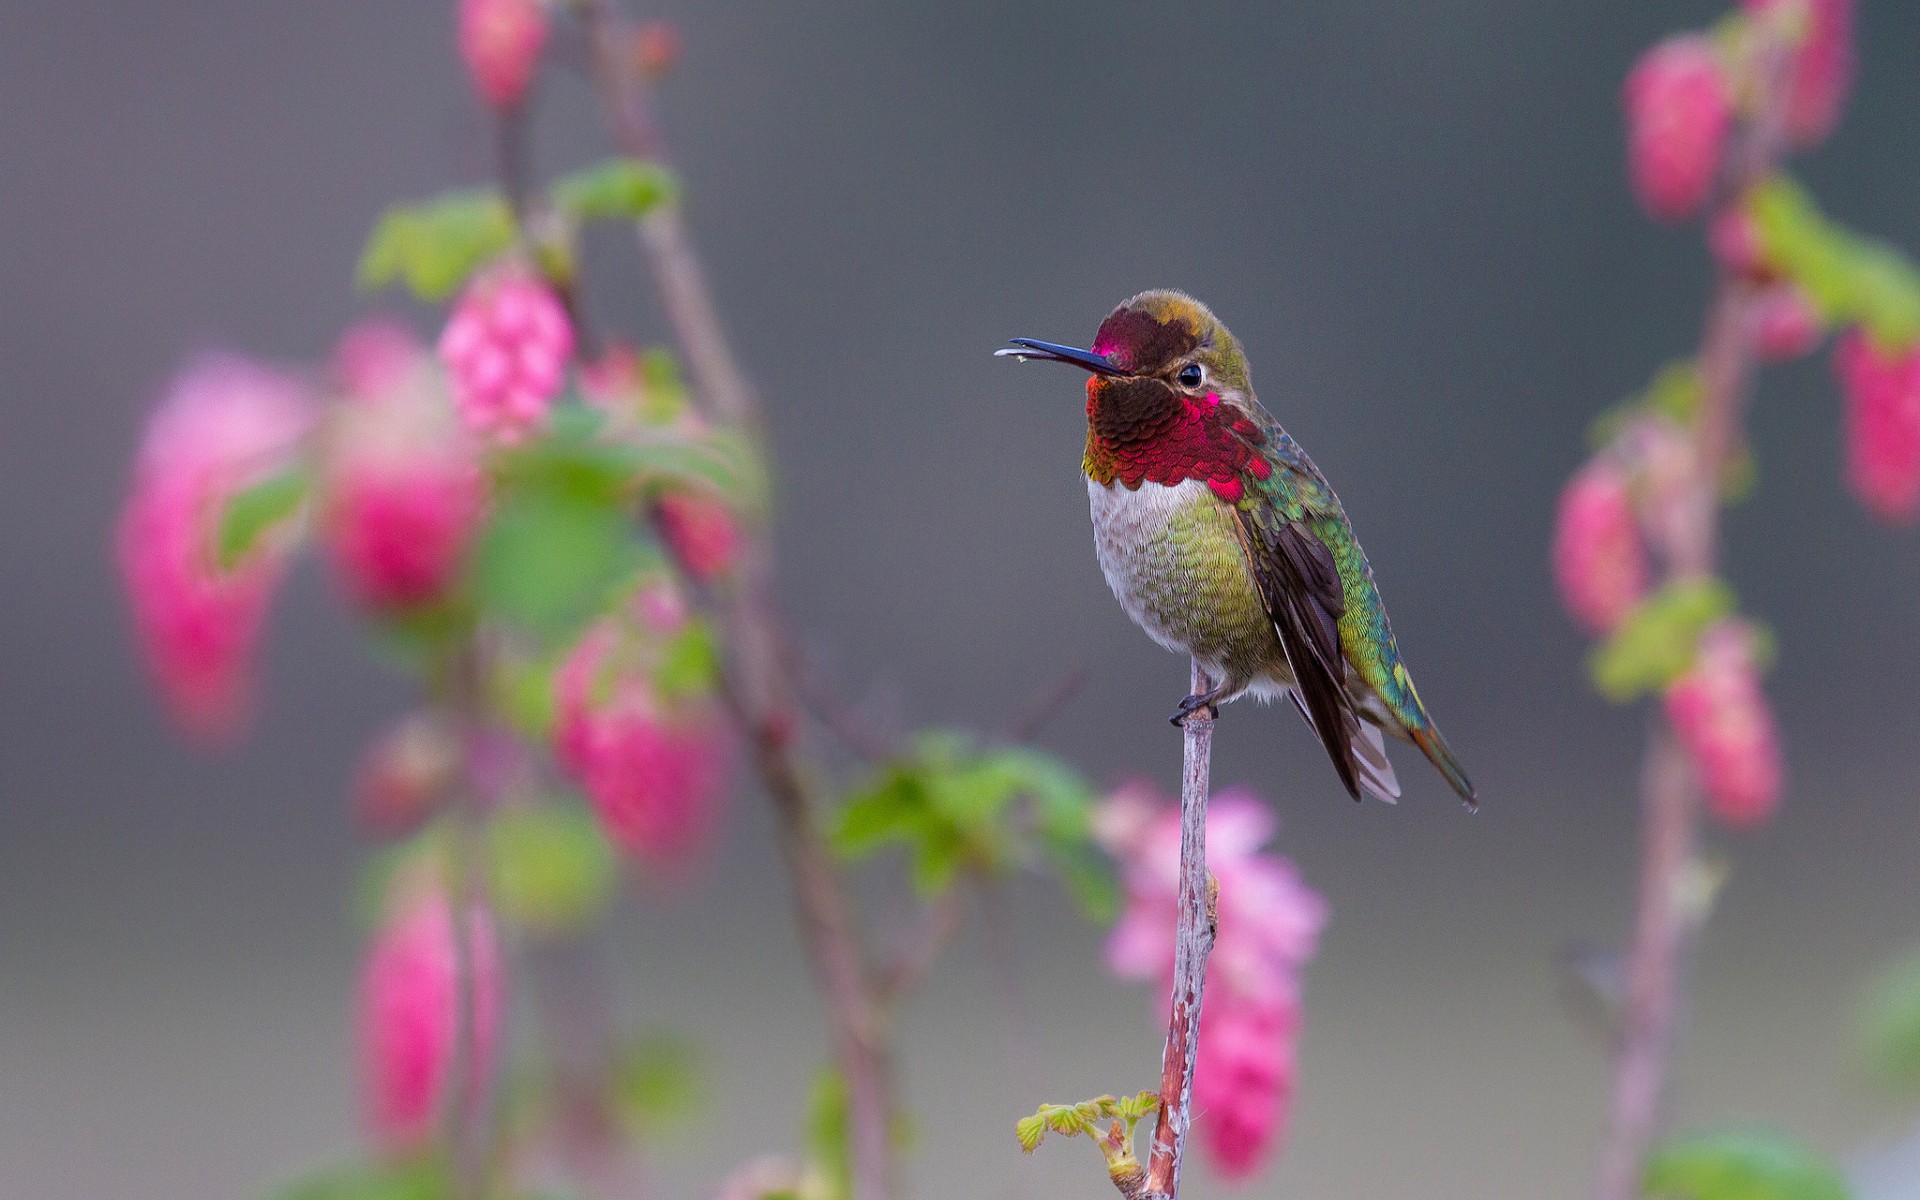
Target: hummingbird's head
column 1162, row 337
column 1168, row 396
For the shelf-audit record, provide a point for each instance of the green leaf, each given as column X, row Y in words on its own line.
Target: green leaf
column 689, row 664
column 1741, row 1166
column 419, row 1179
column 954, row 807
column 552, row 870
column 1676, row 392
column 433, row 246
column 574, row 458
column 1030, row 1130
column 618, row 188
column 252, row 511
column 891, row 808
column 657, row 1082
column 522, row 693
column 1888, row 1031
column 1138, row 1105
column 1849, row 278
column 1657, row 642
column 548, row 560
column 827, row 1133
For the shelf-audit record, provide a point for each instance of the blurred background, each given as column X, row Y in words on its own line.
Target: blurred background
column 1415, row 218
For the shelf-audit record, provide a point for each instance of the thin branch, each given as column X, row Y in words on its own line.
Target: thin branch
column 1195, row 942
column 465, row 1114
column 1664, row 923
column 862, row 737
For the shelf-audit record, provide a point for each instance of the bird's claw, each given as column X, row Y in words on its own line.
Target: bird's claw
column 1191, row 705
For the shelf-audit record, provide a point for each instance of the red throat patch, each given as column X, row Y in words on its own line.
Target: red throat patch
column 1143, row 432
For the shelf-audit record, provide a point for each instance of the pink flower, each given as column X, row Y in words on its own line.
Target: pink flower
column 409, row 1017
column 656, row 774
column 226, row 424
column 404, row 491
column 1822, row 65
column 1598, row 557
column 375, row 356
column 1269, row 927
column 1882, row 423
column 612, row 382
column 1734, row 239
column 656, row 49
column 701, row 532
column 1785, row 325
column 404, row 774
column 1679, row 107
column 506, row 347
column 501, row 41
column 399, row 533
column 1722, row 718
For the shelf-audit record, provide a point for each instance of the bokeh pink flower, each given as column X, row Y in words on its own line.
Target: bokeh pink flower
column 226, row 424
column 1679, row 106
column 702, row 533
column 1269, row 928
column 403, row 489
column 409, row 1019
column 1786, row 326
column 1599, row 559
column 655, row 769
column 506, row 348
column 1822, row 65
column 501, row 42
column 1722, row 718
column 1882, row 390
column 405, row 774
column 1734, row 238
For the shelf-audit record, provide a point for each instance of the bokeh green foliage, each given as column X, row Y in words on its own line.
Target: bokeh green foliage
column 955, row 807
column 1740, row 1165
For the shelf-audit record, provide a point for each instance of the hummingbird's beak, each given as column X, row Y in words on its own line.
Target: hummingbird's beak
column 1086, row 360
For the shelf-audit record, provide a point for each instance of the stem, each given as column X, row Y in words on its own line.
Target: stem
column 469, row 1126
column 835, row 953
column 1648, row 1024
column 1670, row 795
column 577, row 1019
column 755, row 687
column 1195, row 942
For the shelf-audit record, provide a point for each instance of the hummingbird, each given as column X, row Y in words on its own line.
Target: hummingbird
column 1224, row 542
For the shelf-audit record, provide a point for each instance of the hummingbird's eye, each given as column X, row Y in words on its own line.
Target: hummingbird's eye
column 1192, row 375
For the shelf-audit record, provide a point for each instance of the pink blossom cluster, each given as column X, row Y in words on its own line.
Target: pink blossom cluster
column 1882, row 390
column 1822, row 63
column 654, row 767
column 1679, row 106
column 501, row 42
column 1599, row 559
column 405, row 773
column 1269, row 928
column 506, row 349
column 1786, row 326
column 404, row 492
column 1721, row 716
column 701, row 532
column 409, row 1018
column 225, row 424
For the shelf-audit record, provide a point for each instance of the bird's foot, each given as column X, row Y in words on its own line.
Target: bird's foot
column 1193, row 704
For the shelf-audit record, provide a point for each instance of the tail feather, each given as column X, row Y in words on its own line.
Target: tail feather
column 1371, row 769
column 1435, row 747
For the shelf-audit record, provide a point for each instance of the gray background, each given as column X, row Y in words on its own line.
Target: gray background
column 1414, row 217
